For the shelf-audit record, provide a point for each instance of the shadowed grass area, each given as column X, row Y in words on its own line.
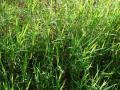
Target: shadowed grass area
column 59, row 45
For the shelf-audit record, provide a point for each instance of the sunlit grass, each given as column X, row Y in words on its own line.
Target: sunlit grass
column 59, row 45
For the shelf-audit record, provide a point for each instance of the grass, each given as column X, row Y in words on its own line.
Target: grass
column 59, row 45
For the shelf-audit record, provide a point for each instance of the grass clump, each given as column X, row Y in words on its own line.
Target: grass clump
column 59, row 45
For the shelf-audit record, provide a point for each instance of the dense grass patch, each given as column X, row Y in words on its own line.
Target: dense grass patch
column 59, row 44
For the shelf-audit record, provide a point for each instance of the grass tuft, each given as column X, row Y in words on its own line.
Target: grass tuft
column 59, row 44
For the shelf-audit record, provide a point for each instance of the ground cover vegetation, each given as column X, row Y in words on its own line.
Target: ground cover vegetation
column 59, row 44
